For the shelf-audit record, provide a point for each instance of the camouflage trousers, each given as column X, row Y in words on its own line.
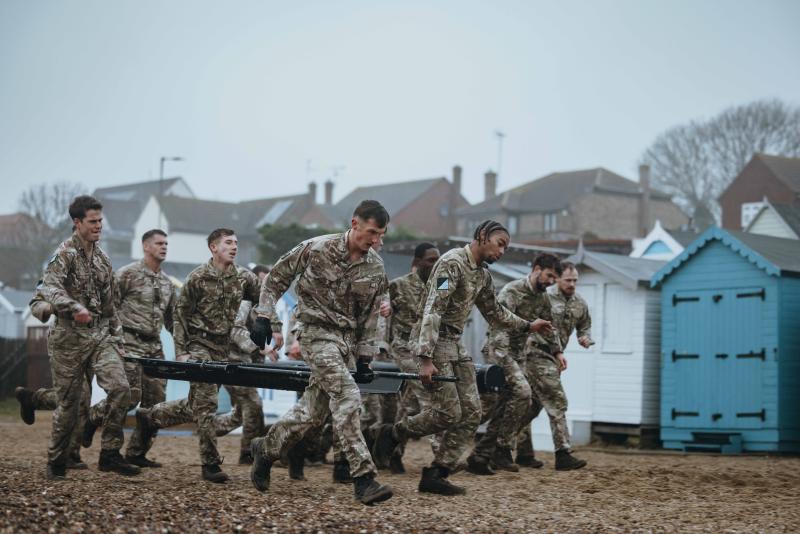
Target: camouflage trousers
column 47, row 399
column 505, row 410
column 145, row 391
column 75, row 354
column 331, row 391
column 450, row 410
column 247, row 412
column 544, row 377
column 412, row 397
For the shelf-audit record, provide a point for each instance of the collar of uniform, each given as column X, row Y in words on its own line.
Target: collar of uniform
column 562, row 296
column 147, row 269
column 531, row 287
column 76, row 241
column 470, row 257
column 346, row 251
column 416, row 278
column 221, row 274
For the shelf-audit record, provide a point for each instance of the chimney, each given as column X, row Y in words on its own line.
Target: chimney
column 455, row 193
column 312, row 192
column 644, row 200
column 489, row 185
column 457, row 179
column 328, row 193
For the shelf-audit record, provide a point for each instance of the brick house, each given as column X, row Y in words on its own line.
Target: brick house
column 772, row 177
column 566, row 206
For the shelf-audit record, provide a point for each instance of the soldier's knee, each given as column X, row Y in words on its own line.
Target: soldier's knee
column 448, row 416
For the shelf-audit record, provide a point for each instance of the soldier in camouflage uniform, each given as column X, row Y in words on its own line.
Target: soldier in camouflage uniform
column 47, row 399
column 87, row 336
column 340, row 282
column 204, row 318
column 506, row 410
column 459, row 279
column 545, row 368
column 145, row 301
column 405, row 294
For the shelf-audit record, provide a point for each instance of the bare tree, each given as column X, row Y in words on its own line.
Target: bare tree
column 48, row 207
column 697, row 161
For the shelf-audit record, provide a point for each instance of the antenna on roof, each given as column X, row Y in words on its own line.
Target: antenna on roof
column 500, row 136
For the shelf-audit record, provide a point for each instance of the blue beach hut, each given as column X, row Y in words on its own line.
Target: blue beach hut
column 730, row 344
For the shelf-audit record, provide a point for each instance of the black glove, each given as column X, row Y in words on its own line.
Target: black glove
column 261, row 333
column 364, row 374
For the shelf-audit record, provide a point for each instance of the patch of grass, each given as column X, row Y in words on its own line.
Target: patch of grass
column 9, row 408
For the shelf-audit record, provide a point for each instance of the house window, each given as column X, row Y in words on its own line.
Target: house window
column 750, row 210
column 550, row 222
column 513, row 224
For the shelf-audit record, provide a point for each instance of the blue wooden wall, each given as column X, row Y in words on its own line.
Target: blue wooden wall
column 712, row 383
column 789, row 360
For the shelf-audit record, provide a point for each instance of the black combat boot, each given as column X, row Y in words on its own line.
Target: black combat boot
column 297, row 462
column 341, row 471
column 387, row 438
column 26, row 409
column 478, row 466
column 89, row 430
column 501, row 459
column 112, row 460
column 369, row 491
column 142, row 461
column 56, row 472
column 74, row 462
column 434, row 480
column 213, row 473
column 259, row 471
column 245, row 457
column 566, row 462
column 528, row 460
column 396, row 463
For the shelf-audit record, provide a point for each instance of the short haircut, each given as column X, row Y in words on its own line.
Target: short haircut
column 545, row 260
column 421, row 249
column 260, row 268
column 372, row 209
column 150, row 233
column 217, row 234
column 487, row 228
column 81, row 204
column 567, row 265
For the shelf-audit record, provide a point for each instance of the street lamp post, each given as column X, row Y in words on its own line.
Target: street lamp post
column 161, row 185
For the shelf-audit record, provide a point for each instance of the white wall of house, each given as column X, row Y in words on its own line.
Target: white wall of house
column 147, row 220
column 184, row 247
column 768, row 222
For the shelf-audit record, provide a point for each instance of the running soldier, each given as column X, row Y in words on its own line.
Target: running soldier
column 87, row 337
column 459, row 279
column 145, row 301
column 340, row 283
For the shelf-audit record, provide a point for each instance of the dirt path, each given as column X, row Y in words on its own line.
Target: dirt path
column 617, row 492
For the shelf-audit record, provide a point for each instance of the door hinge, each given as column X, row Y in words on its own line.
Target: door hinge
column 676, row 414
column 676, row 299
column 760, row 415
column 762, row 293
column 676, row 356
column 760, row 355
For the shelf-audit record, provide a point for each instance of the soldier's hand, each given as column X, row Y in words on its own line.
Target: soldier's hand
column 541, row 325
column 183, row 357
column 278, row 339
column 562, row 362
column 364, row 374
column 427, row 370
column 294, row 351
column 585, row 341
column 83, row 316
column 261, row 333
column 386, row 308
column 270, row 353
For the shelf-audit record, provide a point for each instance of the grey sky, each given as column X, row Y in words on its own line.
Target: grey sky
column 97, row 91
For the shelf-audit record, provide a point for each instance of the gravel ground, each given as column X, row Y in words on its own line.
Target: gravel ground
column 616, row 492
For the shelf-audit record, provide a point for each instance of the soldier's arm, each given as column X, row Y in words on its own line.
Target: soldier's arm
column 53, row 284
column 584, row 323
column 183, row 310
column 169, row 311
column 240, row 335
column 373, row 329
column 436, row 303
column 497, row 315
column 251, row 288
column 500, row 338
column 277, row 282
column 40, row 308
column 115, row 324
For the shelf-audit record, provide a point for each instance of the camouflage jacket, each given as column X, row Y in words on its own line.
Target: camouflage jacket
column 332, row 291
column 240, row 333
column 208, row 304
column 74, row 279
column 405, row 294
column 570, row 313
column 456, row 283
column 145, row 299
column 523, row 299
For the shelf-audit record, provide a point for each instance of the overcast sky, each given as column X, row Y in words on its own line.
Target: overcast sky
column 248, row 92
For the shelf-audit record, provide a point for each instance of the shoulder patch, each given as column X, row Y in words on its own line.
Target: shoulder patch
column 442, row 283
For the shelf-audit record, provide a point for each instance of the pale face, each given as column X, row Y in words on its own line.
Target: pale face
column 568, row 282
column 90, row 227
column 224, row 249
column 366, row 234
column 155, row 248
